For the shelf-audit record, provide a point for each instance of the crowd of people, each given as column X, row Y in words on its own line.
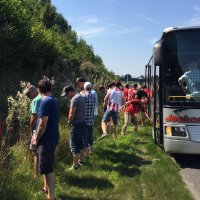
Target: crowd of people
column 83, row 109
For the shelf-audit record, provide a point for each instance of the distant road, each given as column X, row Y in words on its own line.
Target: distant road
column 190, row 171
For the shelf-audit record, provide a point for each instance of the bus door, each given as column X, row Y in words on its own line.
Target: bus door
column 157, row 123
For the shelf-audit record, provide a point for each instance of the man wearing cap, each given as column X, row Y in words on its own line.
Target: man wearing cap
column 32, row 93
column 80, row 85
column 76, row 121
column 192, row 80
column 89, row 118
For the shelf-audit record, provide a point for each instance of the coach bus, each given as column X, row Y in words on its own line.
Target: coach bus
column 172, row 76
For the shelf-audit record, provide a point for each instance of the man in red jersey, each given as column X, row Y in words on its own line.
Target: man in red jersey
column 126, row 92
column 132, row 92
column 134, row 107
column 146, row 90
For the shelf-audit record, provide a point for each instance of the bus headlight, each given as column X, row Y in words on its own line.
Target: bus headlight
column 178, row 131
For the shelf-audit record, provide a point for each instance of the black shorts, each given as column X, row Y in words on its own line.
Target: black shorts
column 46, row 157
column 76, row 139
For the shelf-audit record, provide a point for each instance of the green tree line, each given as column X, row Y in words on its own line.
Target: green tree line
column 36, row 40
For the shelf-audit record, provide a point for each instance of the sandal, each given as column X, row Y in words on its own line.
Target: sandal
column 44, row 191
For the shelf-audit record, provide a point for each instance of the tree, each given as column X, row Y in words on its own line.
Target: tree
column 62, row 23
column 141, row 76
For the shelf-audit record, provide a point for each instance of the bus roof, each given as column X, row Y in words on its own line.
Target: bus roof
column 170, row 29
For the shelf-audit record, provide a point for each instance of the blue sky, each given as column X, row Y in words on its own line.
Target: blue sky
column 123, row 32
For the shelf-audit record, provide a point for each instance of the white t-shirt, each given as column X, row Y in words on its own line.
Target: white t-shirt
column 96, row 105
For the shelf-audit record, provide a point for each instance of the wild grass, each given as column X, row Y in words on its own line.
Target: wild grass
column 130, row 168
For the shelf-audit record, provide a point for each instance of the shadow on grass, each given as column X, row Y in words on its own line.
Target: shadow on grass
column 90, row 182
column 127, row 160
column 66, row 197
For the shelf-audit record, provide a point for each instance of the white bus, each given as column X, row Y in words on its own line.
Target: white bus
column 173, row 78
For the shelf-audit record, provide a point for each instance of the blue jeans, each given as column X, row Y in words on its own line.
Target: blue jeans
column 88, row 136
column 76, row 132
column 108, row 114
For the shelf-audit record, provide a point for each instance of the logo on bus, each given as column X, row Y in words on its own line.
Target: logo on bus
column 184, row 119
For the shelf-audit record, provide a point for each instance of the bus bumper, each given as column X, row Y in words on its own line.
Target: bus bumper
column 181, row 146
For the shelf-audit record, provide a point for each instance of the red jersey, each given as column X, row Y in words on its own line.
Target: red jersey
column 147, row 91
column 131, row 94
column 135, row 106
column 126, row 93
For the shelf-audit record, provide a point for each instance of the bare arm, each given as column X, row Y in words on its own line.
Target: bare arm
column 71, row 115
column 128, row 102
column 182, row 86
column 148, row 117
column 33, row 122
column 41, row 129
column 105, row 101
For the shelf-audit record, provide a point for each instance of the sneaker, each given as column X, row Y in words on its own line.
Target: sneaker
column 44, row 191
column 103, row 136
column 93, row 142
column 80, row 163
column 72, row 168
column 85, row 157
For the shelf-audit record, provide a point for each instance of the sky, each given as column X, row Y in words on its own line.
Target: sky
column 123, row 32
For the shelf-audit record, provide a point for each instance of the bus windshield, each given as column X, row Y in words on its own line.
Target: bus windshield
column 182, row 68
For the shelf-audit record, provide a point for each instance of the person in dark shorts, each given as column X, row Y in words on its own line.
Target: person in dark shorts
column 141, row 93
column 104, row 91
column 76, row 121
column 47, row 136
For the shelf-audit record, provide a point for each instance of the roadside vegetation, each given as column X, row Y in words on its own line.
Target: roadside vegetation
column 130, row 168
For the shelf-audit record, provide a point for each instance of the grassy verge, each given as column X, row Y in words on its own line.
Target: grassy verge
column 130, row 168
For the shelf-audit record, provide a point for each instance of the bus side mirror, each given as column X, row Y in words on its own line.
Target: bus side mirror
column 158, row 52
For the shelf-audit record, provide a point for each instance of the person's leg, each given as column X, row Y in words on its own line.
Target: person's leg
column 119, row 119
column 143, row 119
column 115, row 131
column 45, row 183
column 35, row 164
column 106, row 118
column 50, row 178
column 85, row 141
column 90, row 139
column 75, row 160
column 134, row 120
column 104, row 127
column 127, row 117
column 136, row 127
column 109, row 126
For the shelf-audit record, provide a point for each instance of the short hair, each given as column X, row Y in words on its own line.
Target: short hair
column 143, row 86
column 118, row 84
column 113, row 83
column 44, row 86
column 101, row 87
column 110, row 85
column 127, row 86
column 28, row 89
column 66, row 89
column 135, row 85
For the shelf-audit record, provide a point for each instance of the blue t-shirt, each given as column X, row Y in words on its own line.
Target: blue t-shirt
column 49, row 107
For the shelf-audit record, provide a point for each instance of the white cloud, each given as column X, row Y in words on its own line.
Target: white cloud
column 197, row 8
column 153, row 40
column 152, row 20
column 92, row 32
column 88, row 19
column 127, row 30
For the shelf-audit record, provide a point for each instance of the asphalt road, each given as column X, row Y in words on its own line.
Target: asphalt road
column 190, row 171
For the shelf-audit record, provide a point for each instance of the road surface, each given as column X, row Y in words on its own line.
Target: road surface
column 190, row 171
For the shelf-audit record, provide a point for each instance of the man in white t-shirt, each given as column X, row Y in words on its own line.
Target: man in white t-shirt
column 113, row 100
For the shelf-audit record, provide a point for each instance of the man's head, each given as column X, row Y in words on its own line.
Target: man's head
column 144, row 100
column 110, row 85
column 44, row 86
column 31, row 91
column 143, row 87
column 87, row 86
column 80, row 83
column 192, row 65
column 118, row 84
column 68, row 91
column 102, row 89
column 135, row 86
column 127, row 86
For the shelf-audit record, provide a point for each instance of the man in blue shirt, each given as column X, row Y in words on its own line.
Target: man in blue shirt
column 47, row 135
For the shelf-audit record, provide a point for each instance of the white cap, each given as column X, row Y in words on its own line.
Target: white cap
column 87, row 85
